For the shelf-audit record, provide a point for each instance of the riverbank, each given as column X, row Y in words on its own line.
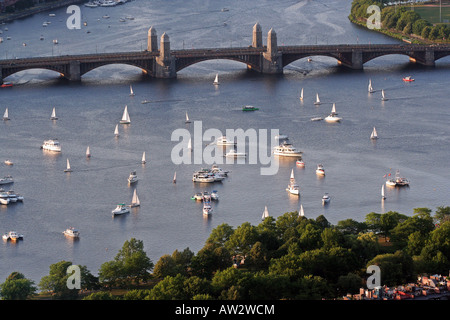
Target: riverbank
column 8, row 17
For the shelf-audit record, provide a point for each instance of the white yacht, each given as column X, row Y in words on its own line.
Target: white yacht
column 13, row 236
column 214, row 195
column 320, row 170
column 202, row 177
column 71, row 232
column 293, row 186
column 132, row 178
column 120, row 209
column 51, row 145
column 287, row 150
column 12, row 196
column 6, row 180
column 300, row 163
column 223, row 141
column 8, row 162
column 4, row 197
column 333, row 115
column 326, row 198
column 207, row 209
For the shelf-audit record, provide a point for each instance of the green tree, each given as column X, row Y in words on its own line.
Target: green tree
column 396, row 268
column 17, row 287
column 242, row 239
column 131, row 264
column 219, row 235
column 170, row 288
column 442, row 214
column 210, row 259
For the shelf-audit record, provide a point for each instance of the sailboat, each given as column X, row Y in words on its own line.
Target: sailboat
column 317, row 100
column 116, row 131
column 370, row 89
column 53, row 115
column 88, row 152
column 374, row 134
column 5, row 115
column 216, row 80
column 302, row 212
column 383, row 97
column 190, row 144
column 301, row 95
column 68, row 169
column 175, row 177
column 382, row 193
column 187, row 118
column 125, row 117
column 143, row 158
column 135, row 200
column 293, row 186
column 265, row 213
column 333, row 115
column 131, row 91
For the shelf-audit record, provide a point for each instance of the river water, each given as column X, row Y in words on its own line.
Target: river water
column 412, row 126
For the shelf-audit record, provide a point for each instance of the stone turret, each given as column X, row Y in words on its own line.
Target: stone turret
column 152, row 42
column 165, row 63
column 257, row 36
column 165, row 47
column 272, row 47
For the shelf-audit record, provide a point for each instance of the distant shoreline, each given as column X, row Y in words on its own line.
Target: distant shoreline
column 9, row 17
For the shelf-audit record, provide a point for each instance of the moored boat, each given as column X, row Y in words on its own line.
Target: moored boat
column 326, row 198
column 320, row 170
column 397, row 181
column 120, row 209
column 51, row 145
column 71, row 232
column 133, row 178
column 13, row 236
column 293, row 186
column 287, row 150
column 249, row 108
column 6, row 180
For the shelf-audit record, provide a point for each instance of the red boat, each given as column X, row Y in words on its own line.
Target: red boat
column 6, row 84
column 408, row 79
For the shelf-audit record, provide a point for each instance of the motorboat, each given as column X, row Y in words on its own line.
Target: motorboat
column 316, row 118
column 293, row 186
column 206, row 196
column 198, row 196
column 51, row 145
column 287, row 150
column 71, row 232
column 249, row 108
column 4, row 197
column 320, row 170
column 235, row 154
column 333, row 115
column 300, row 163
column 214, row 195
column 202, row 177
column 91, row 4
column 223, row 141
column 216, row 170
column 281, row 137
column 408, row 79
column 13, row 236
column 397, row 181
column 132, row 178
column 6, row 180
column 8, row 162
column 207, row 209
column 12, row 196
column 6, row 84
column 120, row 209
column 326, row 198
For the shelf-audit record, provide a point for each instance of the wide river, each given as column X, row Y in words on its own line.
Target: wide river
column 413, row 129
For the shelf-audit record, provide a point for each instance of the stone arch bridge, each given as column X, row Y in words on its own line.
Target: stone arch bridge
column 162, row 62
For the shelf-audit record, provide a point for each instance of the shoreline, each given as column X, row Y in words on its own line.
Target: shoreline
column 10, row 17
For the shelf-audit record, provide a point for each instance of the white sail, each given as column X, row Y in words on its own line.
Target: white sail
column 175, row 177
column 131, row 91
column 88, row 152
column 382, row 193
column 374, row 134
column 370, row 89
column 317, row 99
column 53, row 115
column 68, row 169
column 383, row 97
column 301, row 95
column 187, row 118
column 333, row 109
column 135, row 200
column 116, row 131
column 6, row 115
column 302, row 212
column 292, row 175
column 125, row 116
column 216, row 80
column 265, row 213
column 190, row 144
column 143, row 158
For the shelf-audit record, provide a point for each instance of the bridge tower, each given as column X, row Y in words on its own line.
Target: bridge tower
column 257, row 36
column 272, row 59
column 152, row 42
column 165, row 63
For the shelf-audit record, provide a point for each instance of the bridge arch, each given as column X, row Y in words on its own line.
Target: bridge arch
column 13, row 71
column 340, row 58
column 88, row 67
column 184, row 63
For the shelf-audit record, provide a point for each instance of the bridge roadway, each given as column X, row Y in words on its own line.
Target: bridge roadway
column 353, row 56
